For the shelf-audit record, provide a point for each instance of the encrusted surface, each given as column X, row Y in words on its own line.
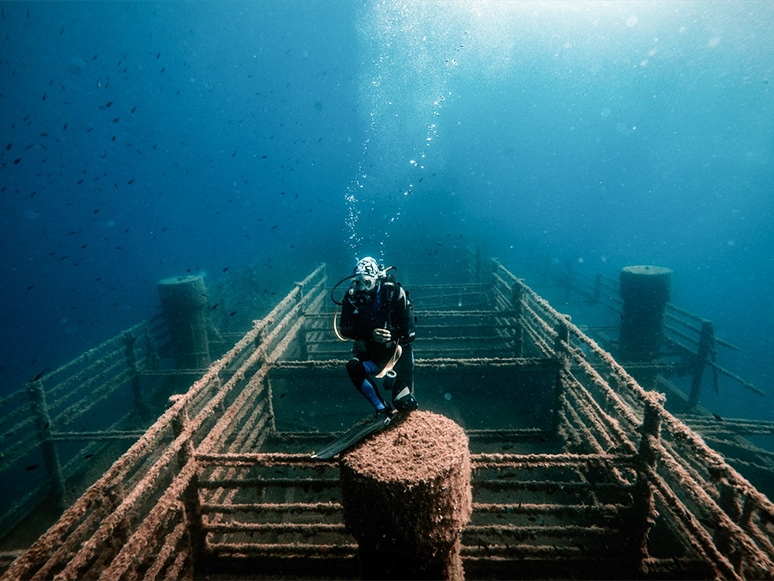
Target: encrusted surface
column 407, row 493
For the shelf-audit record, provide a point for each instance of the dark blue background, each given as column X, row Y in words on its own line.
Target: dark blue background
column 141, row 140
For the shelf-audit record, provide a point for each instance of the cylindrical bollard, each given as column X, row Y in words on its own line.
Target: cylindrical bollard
column 645, row 291
column 183, row 299
column 406, row 495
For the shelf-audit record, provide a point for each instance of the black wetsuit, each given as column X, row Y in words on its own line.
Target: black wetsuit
column 388, row 307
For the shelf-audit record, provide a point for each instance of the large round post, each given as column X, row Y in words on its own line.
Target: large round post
column 407, row 496
column 645, row 291
column 183, row 299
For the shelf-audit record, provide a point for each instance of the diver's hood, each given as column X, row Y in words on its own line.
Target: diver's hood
column 367, row 267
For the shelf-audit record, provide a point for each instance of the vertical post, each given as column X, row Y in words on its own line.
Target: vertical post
column 643, row 509
column 302, row 344
column 47, row 445
column 731, row 503
column 113, row 495
column 183, row 299
column 561, row 356
column 517, row 302
column 131, row 361
column 706, row 344
column 152, row 354
column 215, row 386
column 191, row 500
column 495, row 265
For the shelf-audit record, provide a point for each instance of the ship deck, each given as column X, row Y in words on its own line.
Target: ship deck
column 577, row 470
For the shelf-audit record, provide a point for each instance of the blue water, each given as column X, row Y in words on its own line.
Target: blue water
column 144, row 140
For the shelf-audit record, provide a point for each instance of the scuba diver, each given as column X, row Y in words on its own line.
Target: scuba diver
column 377, row 314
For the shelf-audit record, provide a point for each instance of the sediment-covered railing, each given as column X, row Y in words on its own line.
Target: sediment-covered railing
column 545, row 515
column 620, row 481
column 718, row 516
column 691, row 345
column 103, row 401
column 102, row 386
column 143, row 517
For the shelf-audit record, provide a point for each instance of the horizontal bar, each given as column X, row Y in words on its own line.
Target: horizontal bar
column 270, row 482
column 289, row 507
column 304, row 528
column 106, row 435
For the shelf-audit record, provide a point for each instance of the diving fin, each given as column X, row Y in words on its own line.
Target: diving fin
column 352, row 436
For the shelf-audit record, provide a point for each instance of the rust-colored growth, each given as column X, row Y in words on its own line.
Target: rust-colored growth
column 406, row 495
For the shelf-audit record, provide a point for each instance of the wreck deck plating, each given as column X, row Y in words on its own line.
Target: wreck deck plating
column 576, row 470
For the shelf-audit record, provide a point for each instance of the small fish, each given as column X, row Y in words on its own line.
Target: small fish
column 39, row 375
column 232, row 313
column 130, row 182
column 225, row 269
column 215, row 306
column 31, row 467
column 46, row 426
column 717, row 417
column 134, row 108
column 108, row 104
column 87, row 456
column 283, row 395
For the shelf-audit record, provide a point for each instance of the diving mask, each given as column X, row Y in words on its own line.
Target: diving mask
column 362, row 283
